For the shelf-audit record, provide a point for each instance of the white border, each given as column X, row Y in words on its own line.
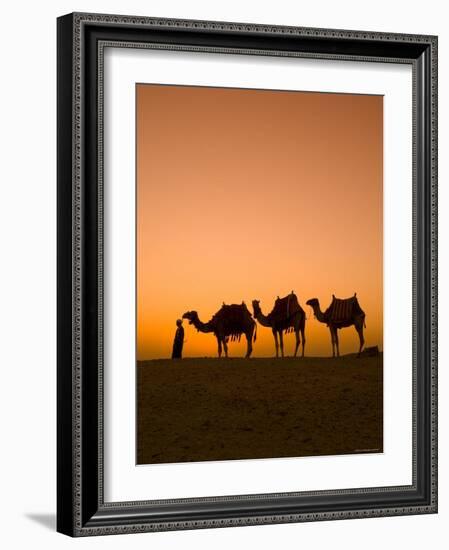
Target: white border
column 122, row 479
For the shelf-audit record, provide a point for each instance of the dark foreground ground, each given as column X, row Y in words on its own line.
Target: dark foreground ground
column 222, row 409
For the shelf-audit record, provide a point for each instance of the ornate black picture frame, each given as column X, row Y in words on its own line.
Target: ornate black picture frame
column 81, row 509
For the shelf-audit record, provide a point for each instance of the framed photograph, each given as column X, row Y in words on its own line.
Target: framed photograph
column 247, row 274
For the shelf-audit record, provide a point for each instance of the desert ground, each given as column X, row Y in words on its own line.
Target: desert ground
column 193, row 410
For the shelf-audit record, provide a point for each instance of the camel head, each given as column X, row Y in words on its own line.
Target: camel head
column 256, row 307
column 315, row 305
column 192, row 316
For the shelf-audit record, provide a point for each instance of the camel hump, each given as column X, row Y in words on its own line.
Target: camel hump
column 343, row 309
column 232, row 312
column 284, row 308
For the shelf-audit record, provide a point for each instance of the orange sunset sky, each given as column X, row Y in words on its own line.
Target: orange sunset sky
column 250, row 194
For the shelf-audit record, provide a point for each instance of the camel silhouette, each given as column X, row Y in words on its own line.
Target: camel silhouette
column 340, row 314
column 231, row 321
column 287, row 315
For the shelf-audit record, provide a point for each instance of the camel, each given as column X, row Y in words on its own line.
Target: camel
column 287, row 315
column 230, row 321
column 340, row 314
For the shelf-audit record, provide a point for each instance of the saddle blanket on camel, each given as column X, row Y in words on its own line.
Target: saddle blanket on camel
column 342, row 310
column 234, row 318
column 283, row 309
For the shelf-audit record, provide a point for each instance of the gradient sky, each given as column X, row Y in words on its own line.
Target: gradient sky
column 250, row 194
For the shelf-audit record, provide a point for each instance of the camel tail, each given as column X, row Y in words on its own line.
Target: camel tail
column 255, row 332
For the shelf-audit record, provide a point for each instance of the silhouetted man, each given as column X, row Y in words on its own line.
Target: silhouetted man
column 178, row 341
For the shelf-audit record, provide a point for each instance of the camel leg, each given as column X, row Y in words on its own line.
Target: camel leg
column 249, row 338
column 297, row 341
column 219, row 346
column 281, row 342
column 303, row 331
column 336, row 342
column 276, row 343
column 359, row 329
column 331, row 330
column 225, row 347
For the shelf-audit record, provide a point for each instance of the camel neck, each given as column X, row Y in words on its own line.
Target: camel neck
column 318, row 313
column 263, row 319
column 202, row 327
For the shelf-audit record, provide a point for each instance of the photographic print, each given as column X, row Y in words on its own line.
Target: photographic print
column 247, row 274
column 259, row 284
